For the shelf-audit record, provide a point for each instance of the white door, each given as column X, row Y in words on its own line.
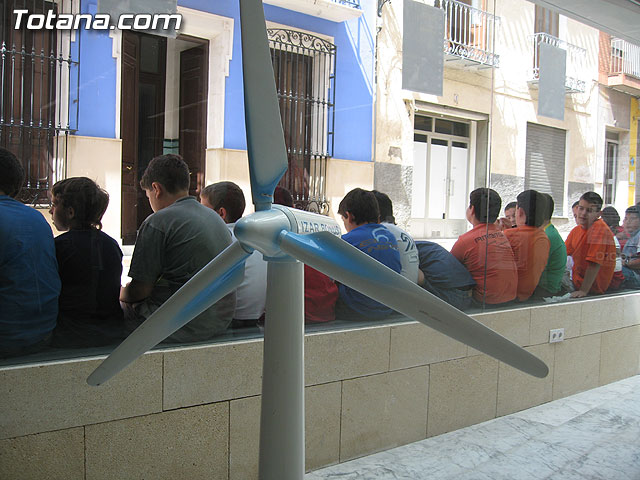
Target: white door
column 440, row 184
column 438, row 162
column 458, row 181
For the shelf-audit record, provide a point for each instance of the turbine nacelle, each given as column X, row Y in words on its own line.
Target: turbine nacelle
column 262, row 230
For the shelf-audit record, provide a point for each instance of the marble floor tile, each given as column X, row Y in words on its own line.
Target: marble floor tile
column 594, row 435
column 555, row 413
column 605, row 394
column 609, row 461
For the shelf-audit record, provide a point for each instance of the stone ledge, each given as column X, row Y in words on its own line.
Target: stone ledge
column 409, row 374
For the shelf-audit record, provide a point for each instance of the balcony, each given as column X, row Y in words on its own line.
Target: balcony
column 575, row 80
column 333, row 10
column 624, row 67
column 469, row 35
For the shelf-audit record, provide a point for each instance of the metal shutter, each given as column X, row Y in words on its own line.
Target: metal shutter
column 544, row 162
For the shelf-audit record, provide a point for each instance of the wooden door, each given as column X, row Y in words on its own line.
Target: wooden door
column 129, row 135
column 142, row 122
column 193, row 113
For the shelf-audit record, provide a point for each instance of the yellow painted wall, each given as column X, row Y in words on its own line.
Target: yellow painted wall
column 633, row 149
column 342, row 175
column 101, row 160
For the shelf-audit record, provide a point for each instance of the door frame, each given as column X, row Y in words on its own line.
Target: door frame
column 131, row 140
column 198, row 182
column 614, row 178
column 449, row 139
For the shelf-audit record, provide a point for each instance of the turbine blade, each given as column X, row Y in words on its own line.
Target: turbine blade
column 265, row 138
column 343, row 262
column 218, row 278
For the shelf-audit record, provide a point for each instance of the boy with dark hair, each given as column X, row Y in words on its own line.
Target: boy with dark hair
column 612, row 219
column 360, row 212
column 591, row 245
column 406, row 246
column 227, row 199
column 90, row 266
column 168, row 171
column 359, row 207
column 528, row 241
column 385, row 206
column 485, row 248
column 631, row 250
column 29, row 281
column 486, row 204
column 574, row 210
column 551, row 279
column 173, row 244
column 509, row 219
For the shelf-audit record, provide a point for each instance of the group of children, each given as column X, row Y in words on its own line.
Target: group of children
column 522, row 255
column 66, row 291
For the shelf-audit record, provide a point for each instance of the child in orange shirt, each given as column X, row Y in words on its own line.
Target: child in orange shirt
column 592, row 247
column 528, row 241
column 485, row 248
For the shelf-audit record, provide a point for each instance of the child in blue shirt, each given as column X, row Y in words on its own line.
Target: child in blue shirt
column 29, row 282
column 360, row 215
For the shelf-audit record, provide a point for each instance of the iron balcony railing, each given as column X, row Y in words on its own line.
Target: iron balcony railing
column 625, row 58
column 575, row 70
column 469, row 33
column 350, row 3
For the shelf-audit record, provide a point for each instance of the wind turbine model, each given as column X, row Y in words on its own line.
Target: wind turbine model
column 275, row 231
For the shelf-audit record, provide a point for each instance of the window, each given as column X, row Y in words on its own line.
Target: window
column 304, row 67
column 34, row 67
column 544, row 162
column 610, row 168
column 546, row 21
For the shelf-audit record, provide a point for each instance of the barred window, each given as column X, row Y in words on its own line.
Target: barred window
column 304, row 69
column 35, row 68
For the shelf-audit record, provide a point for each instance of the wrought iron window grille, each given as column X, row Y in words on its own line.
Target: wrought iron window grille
column 304, row 69
column 37, row 111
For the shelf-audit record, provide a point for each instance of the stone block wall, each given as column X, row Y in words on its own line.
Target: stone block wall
column 193, row 412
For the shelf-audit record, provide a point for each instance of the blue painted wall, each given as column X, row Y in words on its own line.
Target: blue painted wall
column 354, row 76
column 96, row 83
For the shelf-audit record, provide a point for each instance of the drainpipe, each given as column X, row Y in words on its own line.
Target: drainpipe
column 375, row 84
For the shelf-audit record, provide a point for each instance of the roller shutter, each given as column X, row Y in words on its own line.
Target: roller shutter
column 544, row 162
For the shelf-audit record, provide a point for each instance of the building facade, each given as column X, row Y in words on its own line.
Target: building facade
column 102, row 103
column 484, row 128
column 119, row 98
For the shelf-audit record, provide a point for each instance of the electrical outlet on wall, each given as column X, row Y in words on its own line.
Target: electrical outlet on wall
column 556, row 335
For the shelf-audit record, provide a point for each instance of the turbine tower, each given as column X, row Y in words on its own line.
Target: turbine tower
column 276, row 232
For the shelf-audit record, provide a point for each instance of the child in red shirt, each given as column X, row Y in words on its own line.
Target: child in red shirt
column 485, row 249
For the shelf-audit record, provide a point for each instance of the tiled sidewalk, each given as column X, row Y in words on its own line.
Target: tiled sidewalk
column 591, row 435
